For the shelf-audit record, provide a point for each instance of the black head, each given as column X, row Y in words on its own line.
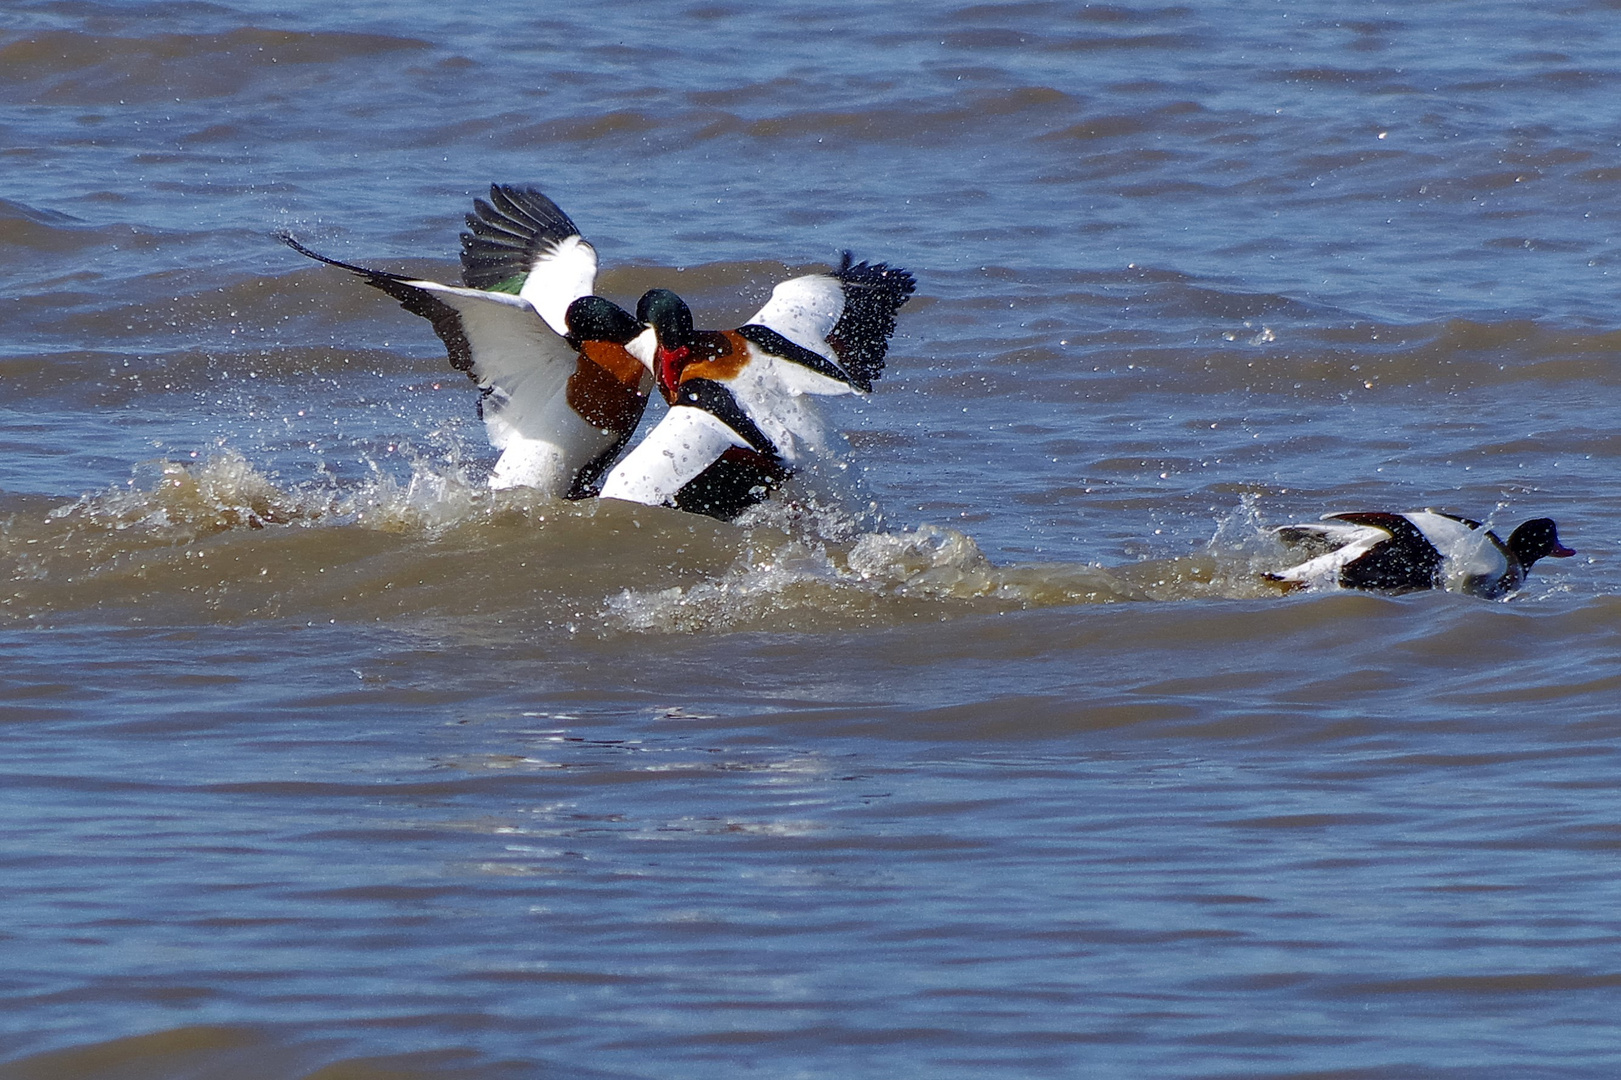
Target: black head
column 668, row 315
column 591, row 318
column 1537, row 539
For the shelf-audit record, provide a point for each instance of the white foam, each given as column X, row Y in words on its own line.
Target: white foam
column 804, row 575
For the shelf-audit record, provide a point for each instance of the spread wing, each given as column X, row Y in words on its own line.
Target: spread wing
column 521, row 242
column 846, row 318
column 804, row 310
column 1469, row 551
column 498, row 339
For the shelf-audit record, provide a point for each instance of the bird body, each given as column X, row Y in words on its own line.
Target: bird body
column 1425, row 549
column 739, row 422
column 561, row 390
column 565, row 375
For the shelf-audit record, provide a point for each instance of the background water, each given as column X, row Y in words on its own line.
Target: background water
column 321, row 761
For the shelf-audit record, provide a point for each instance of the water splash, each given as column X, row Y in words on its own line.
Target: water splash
column 180, row 502
column 188, row 501
column 883, row 577
column 225, row 534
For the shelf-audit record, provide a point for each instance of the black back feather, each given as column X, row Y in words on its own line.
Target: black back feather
column 508, row 233
column 1405, row 562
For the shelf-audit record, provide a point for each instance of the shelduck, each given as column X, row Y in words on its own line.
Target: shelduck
column 561, row 387
column 1425, row 549
column 739, row 422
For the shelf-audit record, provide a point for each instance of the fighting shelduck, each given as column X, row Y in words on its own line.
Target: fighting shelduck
column 1426, row 549
column 739, row 423
column 561, row 394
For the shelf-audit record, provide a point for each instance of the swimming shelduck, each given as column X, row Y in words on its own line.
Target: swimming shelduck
column 561, row 393
column 739, row 424
column 1397, row 553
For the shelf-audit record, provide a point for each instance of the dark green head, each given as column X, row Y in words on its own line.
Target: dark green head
column 1537, row 539
column 669, row 317
column 591, row 318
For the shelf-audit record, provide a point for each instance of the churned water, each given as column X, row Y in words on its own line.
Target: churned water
column 323, row 761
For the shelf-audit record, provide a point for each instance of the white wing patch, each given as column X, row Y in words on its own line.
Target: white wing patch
column 560, row 276
column 514, row 350
column 1468, row 555
column 804, row 310
column 1354, row 541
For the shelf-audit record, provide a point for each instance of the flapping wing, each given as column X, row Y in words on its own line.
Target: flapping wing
column 846, row 317
column 804, row 310
column 520, row 362
column 1394, row 524
column 520, row 242
column 1469, row 551
column 873, row 293
column 1311, row 539
column 499, row 340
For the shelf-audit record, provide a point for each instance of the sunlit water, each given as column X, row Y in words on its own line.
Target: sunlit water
column 989, row 753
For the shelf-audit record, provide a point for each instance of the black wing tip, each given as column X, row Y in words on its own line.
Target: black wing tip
column 873, row 293
column 507, row 232
column 446, row 320
column 895, row 280
column 373, row 276
column 531, row 203
column 286, row 236
column 524, row 211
